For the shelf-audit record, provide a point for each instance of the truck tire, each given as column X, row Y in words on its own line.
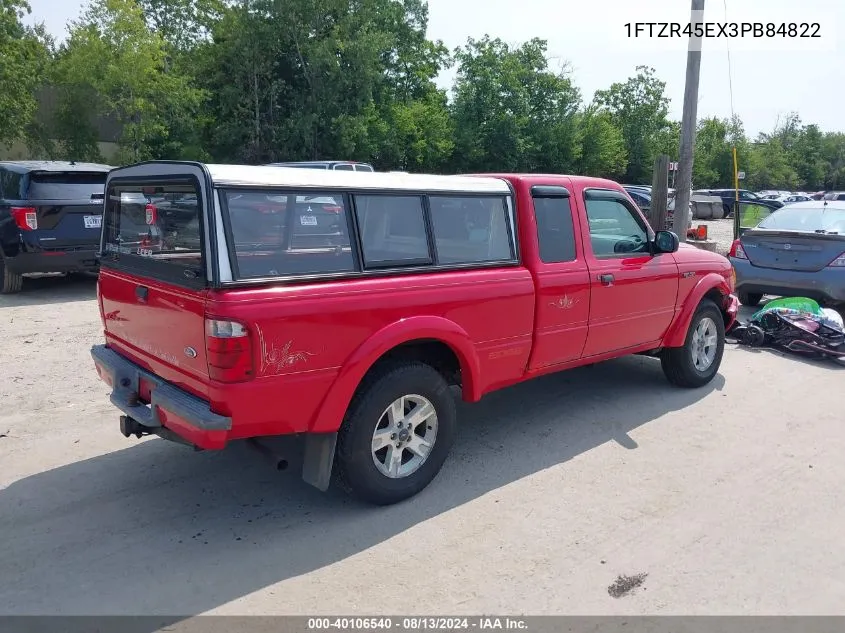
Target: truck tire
column 396, row 434
column 728, row 210
column 9, row 281
column 750, row 299
column 696, row 363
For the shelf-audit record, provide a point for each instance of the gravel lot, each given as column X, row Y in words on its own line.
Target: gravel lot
column 722, row 231
column 726, row 499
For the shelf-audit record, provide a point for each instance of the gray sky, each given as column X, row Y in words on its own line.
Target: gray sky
column 771, row 76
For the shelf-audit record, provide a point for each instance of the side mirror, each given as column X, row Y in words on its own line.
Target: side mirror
column 666, row 242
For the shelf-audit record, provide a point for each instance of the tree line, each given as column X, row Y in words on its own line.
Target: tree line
column 256, row 81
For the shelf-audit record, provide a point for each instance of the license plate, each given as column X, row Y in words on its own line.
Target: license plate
column 308, row 220
column 93, row 221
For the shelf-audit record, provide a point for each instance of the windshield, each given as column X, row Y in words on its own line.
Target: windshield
column 811, row 220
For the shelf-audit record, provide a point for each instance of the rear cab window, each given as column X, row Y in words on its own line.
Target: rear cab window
column 155, row 230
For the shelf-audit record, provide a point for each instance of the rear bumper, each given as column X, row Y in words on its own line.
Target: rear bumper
column 53, row 262
column 823, row 285
column 170, row 408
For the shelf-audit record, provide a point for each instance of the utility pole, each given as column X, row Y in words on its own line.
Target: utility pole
column 689, row 121
column 659, row 193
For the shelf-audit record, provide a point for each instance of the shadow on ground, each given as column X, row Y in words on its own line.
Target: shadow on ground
column 158, row 529
column 48, row 289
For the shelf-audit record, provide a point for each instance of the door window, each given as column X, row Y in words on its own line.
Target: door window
column 555, row 231
column 614, row 228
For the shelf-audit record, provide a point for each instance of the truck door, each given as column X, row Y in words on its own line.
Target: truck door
column 633, row 293
column 562, row 280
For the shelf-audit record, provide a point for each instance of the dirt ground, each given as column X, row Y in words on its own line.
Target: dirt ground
column 597, row 491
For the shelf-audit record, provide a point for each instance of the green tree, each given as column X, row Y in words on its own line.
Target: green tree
column 111, row 52
column 715, row 141
column 182, row 24
column 325, row 79
column 769, row 165
column 511, row 111
column 24, row 56
column 807, row 158
column 639, row 108
column 833, row 154
column 601, row 145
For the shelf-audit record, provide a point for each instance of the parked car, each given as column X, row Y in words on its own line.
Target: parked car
column 641, row 195
column 337, row 165
column 793, row 198
column 798, row 250
column 50, row 215
column 477, row 282
column 728, row 197
column 834, row 195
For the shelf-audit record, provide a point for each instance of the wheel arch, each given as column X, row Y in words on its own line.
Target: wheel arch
column 712, row 286
column 435, row 340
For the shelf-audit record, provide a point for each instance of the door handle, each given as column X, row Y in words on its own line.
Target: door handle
column 142, row 292
column 606, row 279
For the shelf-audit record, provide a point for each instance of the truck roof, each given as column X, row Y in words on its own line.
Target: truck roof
column 586, row 181
column 265, row 176
column 53, row 165
column 311, row 178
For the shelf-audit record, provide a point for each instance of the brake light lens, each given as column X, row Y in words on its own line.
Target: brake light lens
column 228, row 351
column 25, row 218
column 737, row 251
column 151, row 214
column 839, row 262
column 332, row 209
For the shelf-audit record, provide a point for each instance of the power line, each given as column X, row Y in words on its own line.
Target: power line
column 730, row 74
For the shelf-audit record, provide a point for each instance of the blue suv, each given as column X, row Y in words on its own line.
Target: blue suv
column 50, row 218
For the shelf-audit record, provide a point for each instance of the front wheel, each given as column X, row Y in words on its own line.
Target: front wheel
column 696, row 363
column 397, row 433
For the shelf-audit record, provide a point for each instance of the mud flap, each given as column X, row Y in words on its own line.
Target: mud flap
column 318, row 459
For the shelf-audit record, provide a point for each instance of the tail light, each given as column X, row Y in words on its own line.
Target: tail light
column 151, row 214
column 228, row 350
column 737, row 251
column 839, row 262
column 25, row 218
column 332, row 209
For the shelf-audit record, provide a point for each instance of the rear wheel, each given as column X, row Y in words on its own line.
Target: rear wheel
column 750, row 299
column 696, row 363
column 9, row 281
column 397, row 433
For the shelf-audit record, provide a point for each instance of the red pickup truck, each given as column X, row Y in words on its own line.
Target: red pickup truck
column 244, row 302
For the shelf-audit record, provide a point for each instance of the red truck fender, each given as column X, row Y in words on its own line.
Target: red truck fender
column 677, row 333
column 330, row 414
